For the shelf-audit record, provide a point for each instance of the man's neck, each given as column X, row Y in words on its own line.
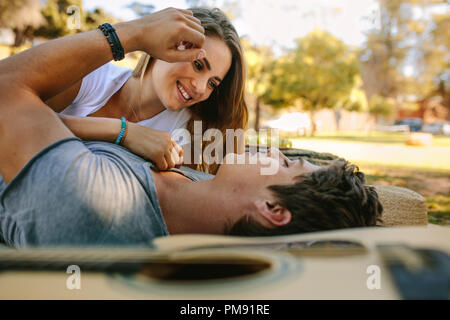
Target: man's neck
column 195, row 207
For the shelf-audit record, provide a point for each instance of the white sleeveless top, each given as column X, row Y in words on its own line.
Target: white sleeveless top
column 101, row 84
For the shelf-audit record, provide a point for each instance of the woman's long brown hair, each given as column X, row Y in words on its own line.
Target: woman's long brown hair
column 226, row 107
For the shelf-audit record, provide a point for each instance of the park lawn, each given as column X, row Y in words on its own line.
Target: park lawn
column 383, row 149
column 386, row 160
column 431, row 184
column 376, row 137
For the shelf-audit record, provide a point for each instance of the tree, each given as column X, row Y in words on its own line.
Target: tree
column 58, row 12
column 435, row 62
column 22, row 16
column 385, row 50
column 55, row 12
column 320, row 72
column 381, row 106
column 260, row 63
column 408, row 34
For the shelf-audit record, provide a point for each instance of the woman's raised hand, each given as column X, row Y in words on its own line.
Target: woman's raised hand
column 154, row 145
column 163, row 31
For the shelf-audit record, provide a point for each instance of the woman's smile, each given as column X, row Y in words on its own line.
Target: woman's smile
column 183, row 93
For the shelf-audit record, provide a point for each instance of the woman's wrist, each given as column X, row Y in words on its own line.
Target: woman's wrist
column 129, row 34
column 93, row 128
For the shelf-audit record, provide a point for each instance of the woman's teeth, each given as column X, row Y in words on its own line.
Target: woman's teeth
column 183, row 92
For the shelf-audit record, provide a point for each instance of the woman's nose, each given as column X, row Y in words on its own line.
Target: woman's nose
column 199, row 86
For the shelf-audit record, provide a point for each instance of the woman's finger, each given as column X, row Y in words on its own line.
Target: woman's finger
column 175, row 156
column 196, row 20
column 169, row 159
column 188, row 12
column 162, row 164
column 176, row 146
column 195, row 23
column 193, row 36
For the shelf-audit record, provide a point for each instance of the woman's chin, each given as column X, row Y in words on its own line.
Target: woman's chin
column 173, row 108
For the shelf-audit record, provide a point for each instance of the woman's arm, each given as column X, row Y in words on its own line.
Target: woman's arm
column 146, row 142
column 63, row 99
column 54, row 66
column 27, row 79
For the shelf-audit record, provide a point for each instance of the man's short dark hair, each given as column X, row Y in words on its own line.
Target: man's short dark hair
column 332, row 197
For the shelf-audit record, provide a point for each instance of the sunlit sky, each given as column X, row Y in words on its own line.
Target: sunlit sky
column 277, row 22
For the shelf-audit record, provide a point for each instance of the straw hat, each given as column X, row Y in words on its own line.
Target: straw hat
column 402, row 206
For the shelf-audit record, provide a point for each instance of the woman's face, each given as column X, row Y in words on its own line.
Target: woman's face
column 182, row 84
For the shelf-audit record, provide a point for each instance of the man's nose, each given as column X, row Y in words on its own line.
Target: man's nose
column 274, row 152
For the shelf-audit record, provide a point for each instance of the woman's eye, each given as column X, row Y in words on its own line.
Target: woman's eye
column 213, row 85
column 198, row 66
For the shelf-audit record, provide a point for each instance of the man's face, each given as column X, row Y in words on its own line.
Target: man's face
column 248, row 177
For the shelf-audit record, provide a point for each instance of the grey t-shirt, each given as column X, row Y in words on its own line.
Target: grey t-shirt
column 78, row 193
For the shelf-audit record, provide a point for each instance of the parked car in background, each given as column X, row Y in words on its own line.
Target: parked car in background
column 415, row 124
column 439, row 128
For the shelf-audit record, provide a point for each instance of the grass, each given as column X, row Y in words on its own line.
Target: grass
column 375, row 138
column 431, row 184
column 381, row 148
column 385, row 159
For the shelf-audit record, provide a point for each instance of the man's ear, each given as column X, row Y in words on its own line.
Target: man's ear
column 272, row 212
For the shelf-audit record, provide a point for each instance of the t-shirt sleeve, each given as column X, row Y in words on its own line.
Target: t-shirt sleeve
column 97, row 88
column 91, row 85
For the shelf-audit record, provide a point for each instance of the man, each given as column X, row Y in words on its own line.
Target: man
column 59, row 190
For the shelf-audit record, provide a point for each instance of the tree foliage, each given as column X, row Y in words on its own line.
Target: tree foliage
column 260, row 64
column 413, row 34
column 59, row 15
column 21, row 16
column 321, row 72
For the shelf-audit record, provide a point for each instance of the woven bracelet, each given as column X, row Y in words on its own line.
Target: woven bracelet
column 113, row 40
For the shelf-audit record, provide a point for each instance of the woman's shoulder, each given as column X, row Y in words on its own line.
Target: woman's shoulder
column 96, row 89
column 110, row 72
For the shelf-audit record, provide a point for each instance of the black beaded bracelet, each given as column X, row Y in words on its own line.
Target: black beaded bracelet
column 113, row 40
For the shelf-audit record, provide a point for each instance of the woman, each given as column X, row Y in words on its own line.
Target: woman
column 163, row 96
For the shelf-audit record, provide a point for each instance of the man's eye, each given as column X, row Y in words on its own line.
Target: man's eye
column 198, row 65
column 286, row 163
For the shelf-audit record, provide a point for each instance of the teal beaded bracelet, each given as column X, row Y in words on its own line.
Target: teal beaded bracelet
column 122, row 131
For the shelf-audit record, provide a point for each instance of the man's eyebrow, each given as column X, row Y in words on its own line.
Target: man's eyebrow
column 209, row 68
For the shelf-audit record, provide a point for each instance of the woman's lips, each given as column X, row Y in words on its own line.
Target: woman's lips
column 180, row 94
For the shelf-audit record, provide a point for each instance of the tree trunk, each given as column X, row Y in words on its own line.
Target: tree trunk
column 313, row 123
column 337, row 119
column 257, row 114
column 19, row 37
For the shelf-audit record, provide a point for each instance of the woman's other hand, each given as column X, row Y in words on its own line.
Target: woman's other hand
column 154, row 145
column 163, row 31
